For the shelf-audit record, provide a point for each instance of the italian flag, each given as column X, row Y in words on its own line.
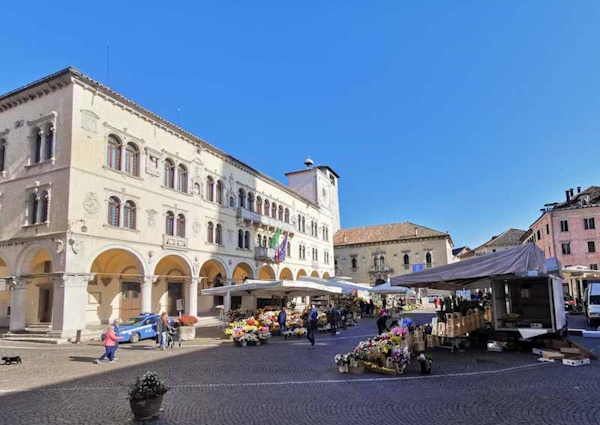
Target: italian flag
column 275, row 240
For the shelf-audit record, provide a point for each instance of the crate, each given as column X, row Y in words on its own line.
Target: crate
column 576, row 362
column 419, row 346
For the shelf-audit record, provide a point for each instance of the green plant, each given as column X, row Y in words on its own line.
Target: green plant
column 147, row 386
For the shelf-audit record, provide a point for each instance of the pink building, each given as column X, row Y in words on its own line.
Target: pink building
column 570, row 230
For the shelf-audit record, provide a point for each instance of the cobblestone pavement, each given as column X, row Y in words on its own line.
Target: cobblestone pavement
column 284, row 382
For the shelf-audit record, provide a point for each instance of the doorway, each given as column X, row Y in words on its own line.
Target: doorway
column 176, row 299
column 45, row 305
column 130, row 299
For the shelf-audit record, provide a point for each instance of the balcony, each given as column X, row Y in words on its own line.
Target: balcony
column 264, row 254
column 263, row 221
column 174, row 242
column 381, row 268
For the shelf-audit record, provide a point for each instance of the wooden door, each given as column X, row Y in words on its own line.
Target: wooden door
column 45, row 305
column 130, row 299
column 175, row 291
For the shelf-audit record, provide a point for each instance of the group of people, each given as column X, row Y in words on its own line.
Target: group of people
column 367, row 308
column 112, row 338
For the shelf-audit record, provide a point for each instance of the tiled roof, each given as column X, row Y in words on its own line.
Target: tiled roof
column 509, row 238
column 460, row 250
column 383, row 233
column 592, row 194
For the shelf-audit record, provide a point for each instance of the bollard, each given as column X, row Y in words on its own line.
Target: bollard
column 78, row 337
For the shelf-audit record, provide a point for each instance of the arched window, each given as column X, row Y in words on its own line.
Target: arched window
column 45, row 198
column 33, row 208
column 259, row 205
column 210, row 234
column 231, row 202
column 274, row 210
column 250, row 204
column 299, row 223
column 114, row 211
column 269, row 242
column 267, row 207
column 113, row 154
column 354, row 264
column 219, row 235
column 38, row 134
column 196, row 189
column 304, row 252
column 376, row 262
column 241, row 198
column 181, row 226
column 240, row 238
column 182, row 177
column 264, row 244
column 210, row 189
column 49, row 142
column 129, row 215
column 289, row 249
column 382, row 261
column 247, row 240
column 259, row 240
column 304, row 224
column 219, row 192
column 428, row 259
column 170, row 224
column 132, row 156
column 169, row 174
column 406, row 261
column 2, row 154
column 280, row 213
column 287, row 215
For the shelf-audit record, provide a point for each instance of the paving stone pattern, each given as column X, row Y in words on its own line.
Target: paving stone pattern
column 284, row 382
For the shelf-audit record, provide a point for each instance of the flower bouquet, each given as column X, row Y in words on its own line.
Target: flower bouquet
column 426, row 361
column 342, row 361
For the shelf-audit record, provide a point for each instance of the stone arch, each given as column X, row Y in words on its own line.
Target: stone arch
column 286, row 274
column 116, row 290
column 5, row 269
column 326, row 275
column 314, row 273
column 30, row 254
column 183, row 262
column 141, row 262
column 266, row 272
column 300, row 273
column 241, row 272
column 173, row 272
column 212, row 273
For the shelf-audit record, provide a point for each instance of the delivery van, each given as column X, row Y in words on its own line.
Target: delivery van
column 591, row 303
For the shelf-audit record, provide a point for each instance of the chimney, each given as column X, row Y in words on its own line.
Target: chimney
column 572, row 193
column 568, row 195
column 578, row 189
column 345, row 239
column 416, row 231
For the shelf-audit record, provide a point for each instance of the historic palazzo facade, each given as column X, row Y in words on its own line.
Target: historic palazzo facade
column 108, row 209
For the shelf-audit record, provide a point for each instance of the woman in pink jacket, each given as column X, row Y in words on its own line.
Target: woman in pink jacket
column 110, row 344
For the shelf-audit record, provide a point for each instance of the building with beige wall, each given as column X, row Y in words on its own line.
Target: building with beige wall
column 374, row 254
column 506, row 240
column 109, row 209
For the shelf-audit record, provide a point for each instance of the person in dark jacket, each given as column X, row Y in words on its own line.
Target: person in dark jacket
column 162, row 328
column 313, row 319
column 371, row 307
column 281, row 320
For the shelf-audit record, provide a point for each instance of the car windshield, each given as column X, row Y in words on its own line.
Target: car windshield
column 132, row 321
column 594, row 299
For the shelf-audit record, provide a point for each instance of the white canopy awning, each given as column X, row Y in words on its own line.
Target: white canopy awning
column 269, row 288
column 346, row 287
column 388, row 289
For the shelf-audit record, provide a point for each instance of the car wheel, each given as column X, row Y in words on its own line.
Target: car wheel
column 134, row 338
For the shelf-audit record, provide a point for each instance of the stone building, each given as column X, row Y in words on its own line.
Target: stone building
column 506, row 240
column 374, row 254
column 567, row 231
column 109, row 209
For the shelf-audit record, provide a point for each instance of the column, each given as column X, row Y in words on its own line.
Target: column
column 70, row 300
column 18, row 289
column 191, row 304
column 227, row 297
column 146, row 293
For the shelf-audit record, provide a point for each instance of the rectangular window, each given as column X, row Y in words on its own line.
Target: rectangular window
column 547, row 229
column 589, row 223
column 564, row 226
column 593, row 266
column 591, row 246
column 566, row 248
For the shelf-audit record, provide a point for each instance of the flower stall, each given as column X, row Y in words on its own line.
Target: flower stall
column 248, row 332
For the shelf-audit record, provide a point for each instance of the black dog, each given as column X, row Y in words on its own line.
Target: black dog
column 11, row 360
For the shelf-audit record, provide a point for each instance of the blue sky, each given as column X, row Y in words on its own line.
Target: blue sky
column 464, row 116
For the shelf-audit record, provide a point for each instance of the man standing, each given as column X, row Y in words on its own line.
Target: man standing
column 313, row 318
column 281, row 320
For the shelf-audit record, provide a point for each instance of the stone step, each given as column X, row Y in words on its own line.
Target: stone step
column 37, row 330
column 38, row 339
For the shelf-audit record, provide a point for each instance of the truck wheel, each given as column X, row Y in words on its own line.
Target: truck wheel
column 134, row 338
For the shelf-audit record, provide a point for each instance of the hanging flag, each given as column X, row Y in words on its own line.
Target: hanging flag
column 275, row 241
column 281, row 252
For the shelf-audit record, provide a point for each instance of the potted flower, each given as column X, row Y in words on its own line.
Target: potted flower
column 426, row 361
column 146, row 395
column 186, row 327
column 341, row 360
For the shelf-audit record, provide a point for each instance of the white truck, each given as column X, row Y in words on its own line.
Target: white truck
column 591, row 302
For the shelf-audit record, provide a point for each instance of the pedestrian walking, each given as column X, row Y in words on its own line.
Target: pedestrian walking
column 361, row 303
column 110, row 341
column 162, row 328
column 371, row 307
column 382, row 322
column 313, row 319
column 115, row 327
column 281, row 319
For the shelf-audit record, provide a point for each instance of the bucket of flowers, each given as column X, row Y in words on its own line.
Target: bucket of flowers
column 342, row 361
column 186, row 328
column 264, row 335
column 400, row 358
column 146, row 396
column 426, row 361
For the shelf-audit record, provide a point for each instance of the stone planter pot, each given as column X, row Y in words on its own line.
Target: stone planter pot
column 343, row 368
column 243, row 343
column 146, row 409
column 187, row 333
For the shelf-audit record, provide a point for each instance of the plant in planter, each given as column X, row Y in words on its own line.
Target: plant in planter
column 146, row 395
column 426, row 361
column 342, row 361
column 186, row 328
